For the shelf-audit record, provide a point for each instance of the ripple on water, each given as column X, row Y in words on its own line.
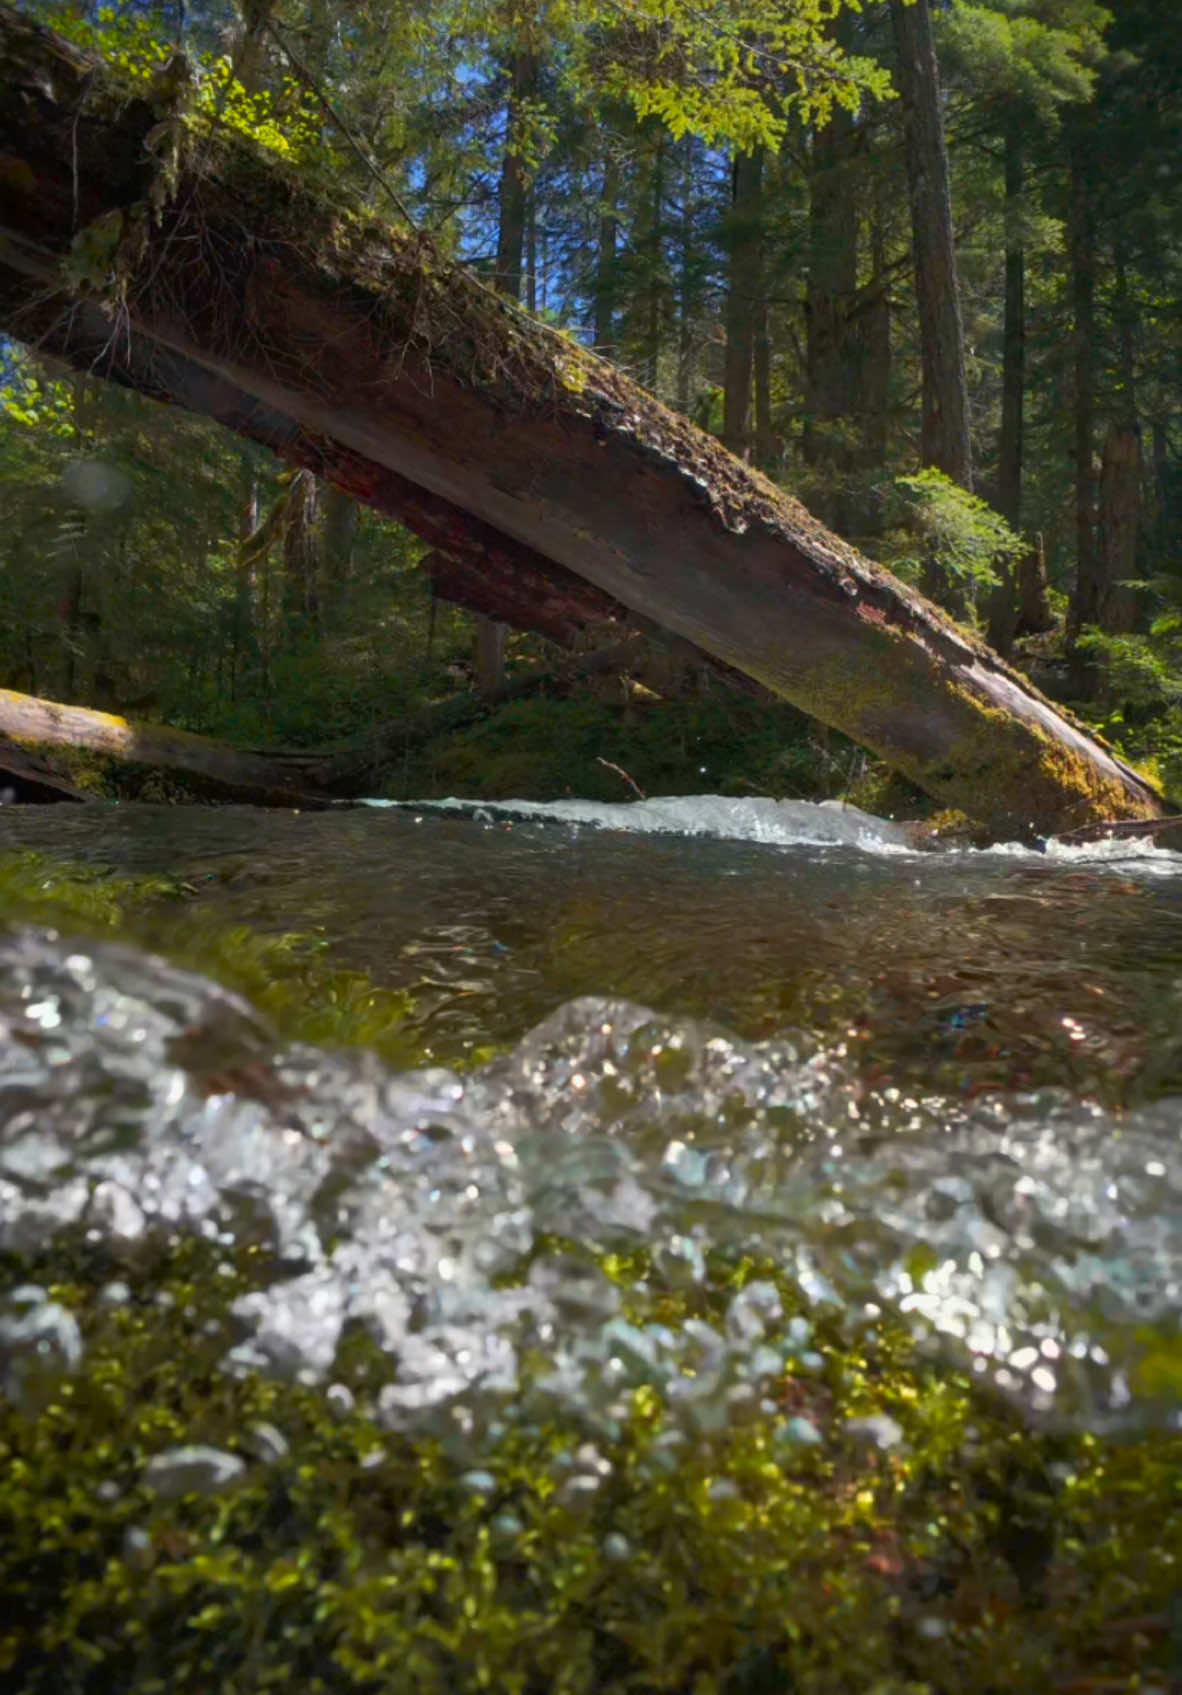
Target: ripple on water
column 1034, row 1239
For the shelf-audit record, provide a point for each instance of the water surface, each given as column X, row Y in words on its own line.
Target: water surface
column 961, row 972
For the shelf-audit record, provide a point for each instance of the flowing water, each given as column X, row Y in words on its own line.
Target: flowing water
column 948, row 1086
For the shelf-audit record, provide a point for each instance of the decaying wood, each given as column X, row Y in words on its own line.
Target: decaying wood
column 241, row 291
column 25, row 776
column 227, row 773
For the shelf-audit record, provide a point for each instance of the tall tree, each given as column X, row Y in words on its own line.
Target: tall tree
column 744, row 295
column 1013, row 66
column 1082, row 260
column 831, row 321
column 944, row 441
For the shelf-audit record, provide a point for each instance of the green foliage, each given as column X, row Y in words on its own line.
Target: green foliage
column 730, row 72
column 1033, row 56
column 135, row 42
column 1141, row 671
column 141, row 48
column 958, row 532
column 36, row 400
column 36, row 889
column 1139, row 701
column 544, row 749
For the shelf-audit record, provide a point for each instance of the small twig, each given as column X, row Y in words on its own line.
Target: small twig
column 314, row 88
column 849, row 776
column 620, row 772
column 1120, row 827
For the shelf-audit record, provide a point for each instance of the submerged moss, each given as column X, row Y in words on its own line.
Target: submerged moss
column 289, row 976
column 970, row 1556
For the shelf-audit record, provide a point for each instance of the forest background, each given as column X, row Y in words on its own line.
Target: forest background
column 919, row 262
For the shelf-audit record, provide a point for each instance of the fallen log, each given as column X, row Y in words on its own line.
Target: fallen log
column 216, row 277
column 26, row 777
column 226, row 773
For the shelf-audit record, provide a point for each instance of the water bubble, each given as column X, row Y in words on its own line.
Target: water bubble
column 192, row 1470
column 876, row 1431
column 479, row 1482
column 801, row 1431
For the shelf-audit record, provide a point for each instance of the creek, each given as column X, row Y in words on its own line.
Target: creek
column 944, row 1086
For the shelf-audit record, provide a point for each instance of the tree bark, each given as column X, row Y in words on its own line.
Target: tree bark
column 1120, row 529
column 605, row 257
column 1007, row 498
column 945, row 430
column 24, row 778
column 512, row 217
column 1034, row 603
column 513, row 195
column 1010, row 445
column 832, row 364
column 875, row 337
column 1021, row 605
column 366, row 356
column 338, row 536
column 688, row 287
column 744, row 294
column 655, row 246
column 1087, row 594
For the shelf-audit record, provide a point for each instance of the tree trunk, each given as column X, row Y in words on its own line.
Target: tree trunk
column 301, row 591
column 513, row 195
column 945, row 432
column 654, row 315
column 765, row 435
column 248, row 59
column 1013, row 374
column 365, row 356
column 27, row 778
column 875, row 334
column 831, row 374
column 744, row 294
column 1003, row 602
column 512, row 218
column 687, row 290
column 604, row 329
column 338, row 535
column 1120, row 529
column 1088, row 591
column 1121, row 510
column 1034, row 604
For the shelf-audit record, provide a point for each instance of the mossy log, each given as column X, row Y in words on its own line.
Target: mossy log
column 226, row 773
column 237, row 287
